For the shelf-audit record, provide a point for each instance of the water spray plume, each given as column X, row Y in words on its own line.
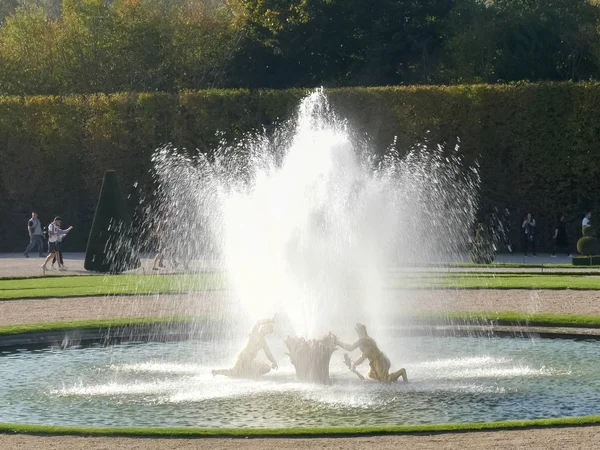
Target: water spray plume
column 308, row 221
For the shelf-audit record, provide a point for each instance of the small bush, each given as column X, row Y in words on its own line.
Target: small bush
column 588, row 245
column 589, row 231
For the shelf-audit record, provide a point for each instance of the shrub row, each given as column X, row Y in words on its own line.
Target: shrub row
column 537, row 144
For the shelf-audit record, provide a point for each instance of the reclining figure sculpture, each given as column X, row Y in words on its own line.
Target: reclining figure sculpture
column 379, row 363
column 246, row 364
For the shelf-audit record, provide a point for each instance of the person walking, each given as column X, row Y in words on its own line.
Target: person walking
column 587, row 220
column 529, row 234
column 34, row 227
column 54, row 232
column 61, row 263
column 559, row 238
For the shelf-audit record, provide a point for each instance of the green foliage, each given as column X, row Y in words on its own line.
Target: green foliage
column 110, row 247
column 91, row 46
column 588, row 230
column 340, row 42
column 112, row 46
column 588, row 245
column 507, row 40
column 536, row 144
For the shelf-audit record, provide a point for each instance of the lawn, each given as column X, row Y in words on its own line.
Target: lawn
column 441, row 317
column 470, row 280
column 81, row 286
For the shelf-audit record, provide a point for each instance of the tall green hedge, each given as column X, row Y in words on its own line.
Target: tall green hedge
column 537, row 144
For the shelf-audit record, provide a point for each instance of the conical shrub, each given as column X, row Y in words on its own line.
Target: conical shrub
column 110, row 246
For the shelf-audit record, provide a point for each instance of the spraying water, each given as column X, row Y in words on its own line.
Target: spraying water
column 307, row 222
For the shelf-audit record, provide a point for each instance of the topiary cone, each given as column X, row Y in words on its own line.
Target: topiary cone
column 110, row 245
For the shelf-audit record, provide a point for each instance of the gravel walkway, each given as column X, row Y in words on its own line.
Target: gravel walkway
column 14, row 312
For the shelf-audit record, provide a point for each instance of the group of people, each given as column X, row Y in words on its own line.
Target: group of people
column 560, row 242
column 55, row 236
column 248, row 366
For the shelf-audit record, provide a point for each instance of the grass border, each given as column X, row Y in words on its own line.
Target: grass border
column 474, row 317
column 516, row 265
column 40, row 327
column 8, row 428
column 518, row 319
column 181, row 284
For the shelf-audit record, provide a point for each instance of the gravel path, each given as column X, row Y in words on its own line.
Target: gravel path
column 14, row 312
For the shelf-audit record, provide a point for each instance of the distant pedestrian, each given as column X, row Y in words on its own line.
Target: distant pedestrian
column 559, row 238
column 54, row 232
column 34, row 228
column 587, row 220
column 529, row 234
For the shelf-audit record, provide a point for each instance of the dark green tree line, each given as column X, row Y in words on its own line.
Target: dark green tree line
column 87, row 46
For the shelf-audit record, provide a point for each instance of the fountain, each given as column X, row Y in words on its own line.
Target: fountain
column 311, row 227
column 307, row 221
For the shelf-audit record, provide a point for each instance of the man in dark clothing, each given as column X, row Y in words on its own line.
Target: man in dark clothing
column 529, row 233
column 559, row 238
column 34, row 227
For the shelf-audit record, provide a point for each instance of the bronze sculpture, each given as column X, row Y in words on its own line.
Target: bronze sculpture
column 379, row 363
column 246, row 364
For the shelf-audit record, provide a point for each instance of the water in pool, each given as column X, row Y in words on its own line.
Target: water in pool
column 461, row 379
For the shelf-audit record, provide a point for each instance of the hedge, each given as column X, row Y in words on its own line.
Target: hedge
column 537, row 144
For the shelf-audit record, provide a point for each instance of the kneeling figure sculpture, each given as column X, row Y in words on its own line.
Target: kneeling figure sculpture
column 379, row 363
column 246, row 364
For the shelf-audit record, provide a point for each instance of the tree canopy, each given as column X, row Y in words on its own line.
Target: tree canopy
column 84, row 46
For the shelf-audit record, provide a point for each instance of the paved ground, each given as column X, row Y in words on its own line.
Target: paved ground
column 16, row 265
column 566, row 302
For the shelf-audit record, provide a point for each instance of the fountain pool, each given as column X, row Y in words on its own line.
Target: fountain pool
column 458, row 379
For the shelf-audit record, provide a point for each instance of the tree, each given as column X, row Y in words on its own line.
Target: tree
column 513, row 40
column 340, row 42
column 86, row 44
column 111, row 247
column 28, row 64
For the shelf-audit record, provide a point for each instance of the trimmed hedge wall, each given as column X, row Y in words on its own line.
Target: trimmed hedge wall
column 537, row 144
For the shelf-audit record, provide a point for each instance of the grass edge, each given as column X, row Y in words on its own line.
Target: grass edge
column 8, row 428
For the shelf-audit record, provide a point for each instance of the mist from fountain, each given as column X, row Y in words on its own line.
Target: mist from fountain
column 308, row 221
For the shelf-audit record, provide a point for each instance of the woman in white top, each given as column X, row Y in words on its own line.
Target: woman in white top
column 54, row 233
column 586, row 220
